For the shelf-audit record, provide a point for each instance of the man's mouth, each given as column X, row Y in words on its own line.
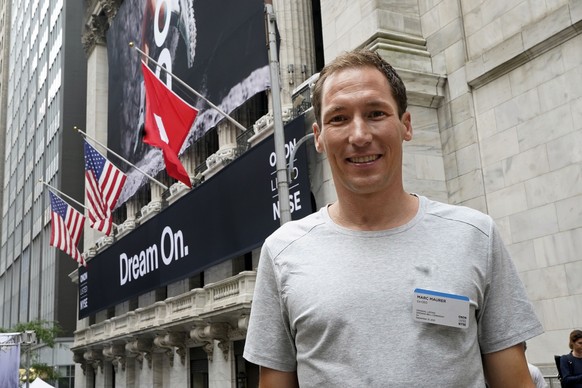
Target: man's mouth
column 364, row 159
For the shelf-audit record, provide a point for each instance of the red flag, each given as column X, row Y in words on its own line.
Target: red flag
column 66, row 226
column 167, row 123
column 103, row 184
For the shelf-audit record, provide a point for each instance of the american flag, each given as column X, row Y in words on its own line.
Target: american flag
column 103, row 184
column 66, row 226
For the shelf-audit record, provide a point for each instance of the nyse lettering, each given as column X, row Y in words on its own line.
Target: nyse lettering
column 294, row 204
column 83, row 291
column 294, row 197
column 171, row 248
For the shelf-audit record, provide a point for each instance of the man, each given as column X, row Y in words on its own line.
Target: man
column 383, row 288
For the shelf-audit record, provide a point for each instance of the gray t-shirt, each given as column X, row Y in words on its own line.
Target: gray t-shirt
column 335, row 304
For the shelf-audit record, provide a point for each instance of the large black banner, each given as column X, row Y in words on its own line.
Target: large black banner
column 230, row 214
column 217, row 47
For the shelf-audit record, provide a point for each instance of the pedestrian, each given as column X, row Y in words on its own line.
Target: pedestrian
column 384, row 288
column 571, row 363
column 535, row 373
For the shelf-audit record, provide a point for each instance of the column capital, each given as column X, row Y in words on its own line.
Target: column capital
column 101, row 13
column 94, row 33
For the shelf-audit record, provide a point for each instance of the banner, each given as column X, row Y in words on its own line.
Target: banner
column 230, row 214
column 9, row 360
column 217, row 47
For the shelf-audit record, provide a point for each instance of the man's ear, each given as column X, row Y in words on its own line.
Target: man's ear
column 407, row 122
column 317, row 133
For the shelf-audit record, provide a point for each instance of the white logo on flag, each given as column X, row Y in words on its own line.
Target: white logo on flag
column 161, row 129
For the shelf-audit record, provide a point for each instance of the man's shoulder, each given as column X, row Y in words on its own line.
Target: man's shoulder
column 293, row 230
column 459, row 214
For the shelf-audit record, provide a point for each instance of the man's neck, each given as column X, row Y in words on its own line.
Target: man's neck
column 374, row 213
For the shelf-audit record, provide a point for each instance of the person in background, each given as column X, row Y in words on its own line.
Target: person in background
column 536, row 374
column 571, row 363
column 384, row 288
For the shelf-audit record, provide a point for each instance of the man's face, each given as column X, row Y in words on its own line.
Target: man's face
column 577, row 346
column 361, row 132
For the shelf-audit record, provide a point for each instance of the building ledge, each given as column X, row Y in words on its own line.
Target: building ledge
column 227, row 301
column 533, row 40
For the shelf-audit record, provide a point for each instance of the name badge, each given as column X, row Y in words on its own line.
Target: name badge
column 440, row 308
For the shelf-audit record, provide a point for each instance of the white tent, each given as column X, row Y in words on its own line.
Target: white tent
column 38, row 383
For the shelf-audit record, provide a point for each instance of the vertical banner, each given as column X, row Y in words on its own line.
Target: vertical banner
column 217, row 47
column 9, row 360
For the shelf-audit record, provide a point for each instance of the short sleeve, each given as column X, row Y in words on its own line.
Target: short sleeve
column 507, row 316
column 269, row 342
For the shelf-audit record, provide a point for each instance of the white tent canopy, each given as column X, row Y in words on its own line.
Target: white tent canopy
column 38, row 383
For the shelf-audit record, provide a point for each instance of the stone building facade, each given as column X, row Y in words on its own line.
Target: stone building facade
column 496, row 103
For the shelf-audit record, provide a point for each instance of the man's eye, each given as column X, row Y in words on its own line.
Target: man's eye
column 376, row 114
column 337, row 119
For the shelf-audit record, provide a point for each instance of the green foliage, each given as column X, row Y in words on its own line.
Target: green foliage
column 46, row 331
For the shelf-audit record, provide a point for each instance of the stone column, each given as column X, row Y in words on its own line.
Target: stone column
column 172, row 349
column 297, row 52
column 100, row 13
column 107, row 375
column 97, row 90
column 221, row 368
column 226, row 135
column 94, row 370
column 128, row 380
column 227, row 145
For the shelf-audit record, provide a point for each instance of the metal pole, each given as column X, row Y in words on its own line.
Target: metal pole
column 68, row 197
column 27, row 366
column 279, row 134
column 163, row 186
column 294, row 151
column 63, row 194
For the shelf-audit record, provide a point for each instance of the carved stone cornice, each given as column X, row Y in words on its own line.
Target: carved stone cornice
column 116, row 354
column 110, row 8
column 95, row 359
column 240, row 331
column 101, row 13
column 79, row 359
column 170, row 342
column 95, row 31
column 141, row 348
column 217, row 331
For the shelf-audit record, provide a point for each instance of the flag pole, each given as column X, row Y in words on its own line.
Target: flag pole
column 122, row 158
column 68, row 197
column 278, row 133
column 63, row 194
column 233, row 121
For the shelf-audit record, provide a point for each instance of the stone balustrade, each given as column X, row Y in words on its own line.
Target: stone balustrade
column 226, row 300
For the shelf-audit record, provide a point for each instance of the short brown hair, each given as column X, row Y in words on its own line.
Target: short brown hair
column 575, row 336
column 354, row 59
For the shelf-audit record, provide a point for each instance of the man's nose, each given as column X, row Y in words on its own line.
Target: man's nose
column 360, row 133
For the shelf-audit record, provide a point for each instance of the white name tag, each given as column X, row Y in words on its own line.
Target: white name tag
column 440, row 308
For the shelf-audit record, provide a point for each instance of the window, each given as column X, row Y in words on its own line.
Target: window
column 198, row 368
column 66, row 376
